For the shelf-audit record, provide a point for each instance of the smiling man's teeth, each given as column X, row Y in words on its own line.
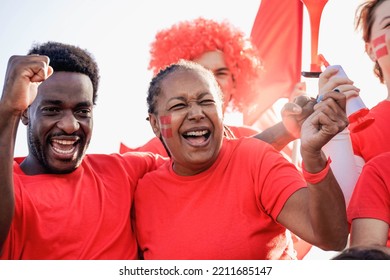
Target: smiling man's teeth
column 62, row 146
column 60, row 151
column 197, row 133
column 64, row 142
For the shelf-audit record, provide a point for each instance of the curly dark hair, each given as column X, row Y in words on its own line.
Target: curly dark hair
column 364, row 20
column 69, row 58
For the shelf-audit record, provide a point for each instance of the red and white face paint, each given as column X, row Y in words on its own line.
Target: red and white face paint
column 166, row 129
column 380, row 47
column 380, row 35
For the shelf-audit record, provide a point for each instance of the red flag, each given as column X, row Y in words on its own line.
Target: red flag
column 277, row 33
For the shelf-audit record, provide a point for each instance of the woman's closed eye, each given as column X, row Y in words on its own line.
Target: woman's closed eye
column 207, row 102
column 177, row 106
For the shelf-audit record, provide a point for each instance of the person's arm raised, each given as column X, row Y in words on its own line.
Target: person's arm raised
column 317, row 213
column 23, row 75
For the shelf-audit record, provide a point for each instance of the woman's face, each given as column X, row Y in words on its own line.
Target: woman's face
column 189, row 120
column 379, row 46
column 215, row 62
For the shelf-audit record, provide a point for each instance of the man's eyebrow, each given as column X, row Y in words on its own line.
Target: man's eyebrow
column 59, row 102
column 222, row 69
column 52, row 102
column 84, row 104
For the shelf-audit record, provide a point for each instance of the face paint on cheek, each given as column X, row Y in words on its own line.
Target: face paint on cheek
column 166, row 120
column 381, row 52
column 379, row 40
column 380, row 46
column 166, row 130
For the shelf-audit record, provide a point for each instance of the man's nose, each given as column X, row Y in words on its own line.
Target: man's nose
column 68, row 123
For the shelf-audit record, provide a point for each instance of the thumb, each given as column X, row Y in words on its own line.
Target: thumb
column 50, row 71
column 291, row 109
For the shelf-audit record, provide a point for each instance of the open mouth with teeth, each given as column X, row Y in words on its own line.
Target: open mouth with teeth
column 197, row 137
column 64, row 148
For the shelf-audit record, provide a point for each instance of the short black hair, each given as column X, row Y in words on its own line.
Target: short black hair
column 70, row 58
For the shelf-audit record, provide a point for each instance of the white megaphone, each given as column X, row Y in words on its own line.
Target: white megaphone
column 355, row 108
column 345, row 166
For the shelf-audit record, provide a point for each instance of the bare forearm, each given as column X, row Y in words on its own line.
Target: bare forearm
column 276, row 135
column 8, row 129
column 23, row 76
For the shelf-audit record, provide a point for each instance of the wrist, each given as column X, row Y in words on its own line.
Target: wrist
column 293, row 133
column 315, row 178
column 283, row 136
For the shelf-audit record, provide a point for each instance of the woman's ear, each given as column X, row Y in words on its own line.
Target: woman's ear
column 370, row 51
column 155, row 125
column 25, row 117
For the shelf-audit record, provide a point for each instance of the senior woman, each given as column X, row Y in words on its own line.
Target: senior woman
column 220, row 198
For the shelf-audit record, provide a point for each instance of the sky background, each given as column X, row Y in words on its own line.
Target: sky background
column 118, row 34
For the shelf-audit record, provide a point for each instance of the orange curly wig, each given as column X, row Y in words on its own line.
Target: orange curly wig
column 190, row 39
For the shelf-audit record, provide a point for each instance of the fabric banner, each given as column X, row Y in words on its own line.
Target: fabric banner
column 277, row 33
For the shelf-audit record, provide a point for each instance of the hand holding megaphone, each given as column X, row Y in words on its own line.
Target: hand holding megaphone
column 356, row 110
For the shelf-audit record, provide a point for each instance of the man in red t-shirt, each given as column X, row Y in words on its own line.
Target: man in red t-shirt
column 58, row 202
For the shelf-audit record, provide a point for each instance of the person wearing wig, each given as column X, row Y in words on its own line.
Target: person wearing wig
column 202, row 39
column 236, row 64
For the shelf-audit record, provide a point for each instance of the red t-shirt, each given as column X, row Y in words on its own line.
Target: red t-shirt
column 371, row 196
column 226, row 212
column 81, row 215
column 374, row 139
column 154, row 146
